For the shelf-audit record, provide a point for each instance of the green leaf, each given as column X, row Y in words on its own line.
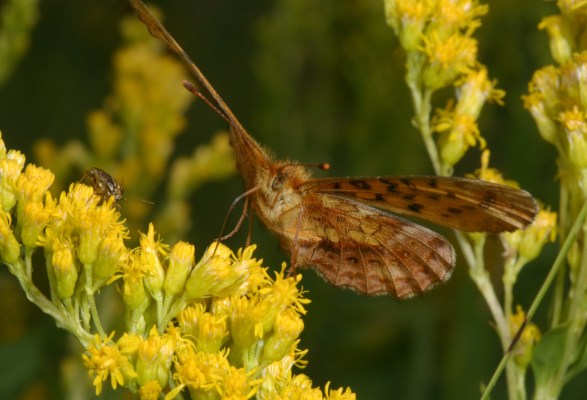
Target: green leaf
column 548, row 354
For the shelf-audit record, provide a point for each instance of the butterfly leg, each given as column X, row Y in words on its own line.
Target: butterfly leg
column 250, row 229
column 238, row 224
column 295, row 245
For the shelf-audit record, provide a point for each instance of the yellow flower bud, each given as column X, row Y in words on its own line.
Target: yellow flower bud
column 546, row 81
column 9, row 246
column 10, row 168
column 133, row 290
column 150, row 250
column 214, row 275
column 33, row 183
column 2, row 147
column 111, row 255
column 547, row 127
column 181, row 261
column 522, row 352
column 287, row 328
column 154, row 358
column 447, row 58
column 561, row 38
column 64, row 270
column 246, row 321
column 407, row 19
column 541, row 231
column 35, row 220
column 150, row 391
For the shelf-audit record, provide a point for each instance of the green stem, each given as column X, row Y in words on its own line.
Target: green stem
column 559, row 289
column 91, row 300
column 558, row 262
column 576, row 320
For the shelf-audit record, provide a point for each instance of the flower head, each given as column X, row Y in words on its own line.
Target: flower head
column 104, row 360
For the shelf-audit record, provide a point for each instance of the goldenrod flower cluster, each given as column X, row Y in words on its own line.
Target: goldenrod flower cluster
column 133, row 135
column 441, row 52
column 218, row 328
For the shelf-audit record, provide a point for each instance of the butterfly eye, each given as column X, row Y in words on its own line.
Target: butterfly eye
column 278, row 181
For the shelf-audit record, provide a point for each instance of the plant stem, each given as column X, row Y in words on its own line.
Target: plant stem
column 558, row 262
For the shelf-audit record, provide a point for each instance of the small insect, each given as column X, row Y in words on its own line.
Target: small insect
column 342, row 227
column 105, row 186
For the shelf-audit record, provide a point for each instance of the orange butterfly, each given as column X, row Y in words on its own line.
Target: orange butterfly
column 341, row 226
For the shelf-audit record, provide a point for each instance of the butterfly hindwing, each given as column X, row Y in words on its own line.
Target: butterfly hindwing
column 368, row 250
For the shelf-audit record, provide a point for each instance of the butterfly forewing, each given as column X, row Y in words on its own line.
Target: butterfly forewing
column 368, row 250
column 469, row 205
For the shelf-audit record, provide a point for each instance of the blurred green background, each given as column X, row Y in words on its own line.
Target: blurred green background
column 315, row 81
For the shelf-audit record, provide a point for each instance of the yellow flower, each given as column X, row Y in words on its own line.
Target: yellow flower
column 33, row 184
column 458, row 132
column 246, row 321
column 10, row 167
column 181, row 261
column 522, row 351
column 491, row 174
column 541, row 231
column 154, row 358
column 453, row 15
column 208, row 330
column 547, row 127
column 9, row 246
column 338, row 394
column 287, row 328
column 64, row 268
column 561, row 37
column 149, row 254
column 407, row 19
column 300, row 387
column 35, row 218
column 150, row 391
column 216, row 274
column 447, row 58
column 280, row 294
column 575, row 127
column 93, row 223
column 133, row 290
column 103, row 359
column 112, row 254
column 238, row 385
column 200, row 372
column 546, row 81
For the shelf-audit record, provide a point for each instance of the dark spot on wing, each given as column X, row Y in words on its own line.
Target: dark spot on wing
column 336, row 185
column 408, row 183
column 432, row 183
column 415, row 207
column 379, row 197
column 359, row 184
column 454, row 210
column 434, row 196
column 450, row 194
column 409, row 196
column 391, row 187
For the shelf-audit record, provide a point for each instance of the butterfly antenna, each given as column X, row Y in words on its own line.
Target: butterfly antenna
column 158, row 30
column 321, row 166
column 194, row 90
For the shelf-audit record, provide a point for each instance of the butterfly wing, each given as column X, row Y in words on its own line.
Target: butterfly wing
column 468, row 205
column 368, row 250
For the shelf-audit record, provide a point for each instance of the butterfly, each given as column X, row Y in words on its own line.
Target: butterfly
column 344, row 227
